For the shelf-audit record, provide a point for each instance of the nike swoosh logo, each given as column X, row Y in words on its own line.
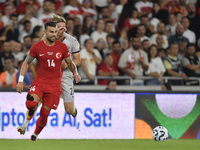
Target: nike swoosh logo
column 41, row 54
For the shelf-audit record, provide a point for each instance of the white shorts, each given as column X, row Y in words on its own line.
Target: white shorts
column 68, row 90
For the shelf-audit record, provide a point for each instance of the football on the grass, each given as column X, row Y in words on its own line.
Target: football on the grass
column 160, row 133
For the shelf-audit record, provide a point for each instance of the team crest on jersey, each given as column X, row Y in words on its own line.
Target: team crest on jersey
column 50, row 53
column 58, row 55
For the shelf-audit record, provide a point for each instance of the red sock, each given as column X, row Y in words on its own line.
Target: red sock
column 41, row 122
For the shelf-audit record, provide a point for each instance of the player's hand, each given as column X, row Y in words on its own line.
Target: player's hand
column 20, row 87
column 77, row 78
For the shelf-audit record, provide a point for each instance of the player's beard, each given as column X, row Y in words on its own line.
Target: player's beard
column 51, row 41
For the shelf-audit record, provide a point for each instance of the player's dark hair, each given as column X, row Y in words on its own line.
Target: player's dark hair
column 116, row 42
column 111, row 80
column 49, row 24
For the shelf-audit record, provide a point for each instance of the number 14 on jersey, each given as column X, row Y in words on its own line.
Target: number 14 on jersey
column 51, row 63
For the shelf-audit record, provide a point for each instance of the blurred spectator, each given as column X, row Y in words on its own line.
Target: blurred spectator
column 161, row 53
column 111, row 85
column 90, row 23
column 145, row 45
column 144, row 7
column 58, row 7
column 182, row 8
column 17, row 53
column 188, row 33
column 90, row 58
column 27, row 77
column 47, row 14
column 191, row 63
column 10, row 31
column 22, row 5
column 35, row 39
column 171, row 27
column 100, row 45
column 161, row 31
column 109, row 27
column 156, row 67
column 35, row 10
column 1, row 22
column 106, row 69
column 166, row 87
column 73, row 10
column 38, row 31
column 113, row 14
column 25, row 31
column 99, row 32
column 84, row 36
column 6, row 53
column 27, row 44
column 27, row 16
column 155, row 10
column 173, row 65
column 159, row 41
column 88, row 10
column 11, row 2
column 70, row 26
column 6, row 17
column 116, row 49
column 8, row 77
column 144, row 21
column 77, row 22
column 141, row 30
column 132, row 21
column 197, row 54
column 162, row 16
column 125, row 46
column 109, row 39
column 120, row 6
column 133, row 61
column 105, row 15
column 178, row 17
column 194, row 20
column 100, row 4
column 178, row 37
column 182, row 50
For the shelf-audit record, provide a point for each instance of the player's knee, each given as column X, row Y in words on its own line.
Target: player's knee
column 30, row 103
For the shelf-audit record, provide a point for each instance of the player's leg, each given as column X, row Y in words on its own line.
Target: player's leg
column 41, row 122
column 32, row 103
column 68, row 98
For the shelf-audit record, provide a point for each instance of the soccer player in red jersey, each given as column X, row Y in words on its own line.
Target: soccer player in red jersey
column 47, row 84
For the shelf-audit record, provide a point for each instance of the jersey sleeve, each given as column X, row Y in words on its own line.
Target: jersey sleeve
column 76, row 46
column 66, row 51
column 33, row 51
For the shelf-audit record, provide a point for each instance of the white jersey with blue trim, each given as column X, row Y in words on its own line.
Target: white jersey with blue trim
column 74, row 47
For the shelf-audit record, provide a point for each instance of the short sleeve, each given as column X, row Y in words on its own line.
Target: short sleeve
column 123, row 60
column 83, row 54
column 66, row 51
column 162, row 67
column 76, row 46
column 33, row 51
column 167, row 65
column 185, row 61
column 146, row 62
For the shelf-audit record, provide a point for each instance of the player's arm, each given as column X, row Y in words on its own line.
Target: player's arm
column 77, row 60
column 72, row 67
column 23, row 71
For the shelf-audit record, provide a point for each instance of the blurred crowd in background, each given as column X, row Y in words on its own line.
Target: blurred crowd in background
column 135, row 38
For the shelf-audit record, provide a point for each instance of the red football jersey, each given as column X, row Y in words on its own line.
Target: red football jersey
column 49, row 59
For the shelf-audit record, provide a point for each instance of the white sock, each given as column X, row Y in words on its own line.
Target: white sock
column 35, row 135
column 26, row 121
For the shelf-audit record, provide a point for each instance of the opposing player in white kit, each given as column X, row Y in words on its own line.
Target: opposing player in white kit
column 67, row 79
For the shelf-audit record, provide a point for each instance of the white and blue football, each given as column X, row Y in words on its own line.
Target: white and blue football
column 160, row 133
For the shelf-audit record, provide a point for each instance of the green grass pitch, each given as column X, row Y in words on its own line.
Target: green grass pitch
column 41, row 144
